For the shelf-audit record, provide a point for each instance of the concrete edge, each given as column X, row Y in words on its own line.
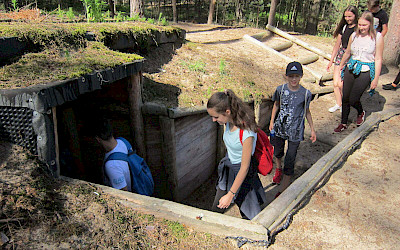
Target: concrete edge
column 210, row 222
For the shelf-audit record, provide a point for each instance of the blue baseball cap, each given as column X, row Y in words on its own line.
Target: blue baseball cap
column 294, row 68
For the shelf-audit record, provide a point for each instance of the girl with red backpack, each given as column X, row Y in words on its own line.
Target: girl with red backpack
column 238, row 180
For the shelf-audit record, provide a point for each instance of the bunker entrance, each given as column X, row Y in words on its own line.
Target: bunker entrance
column 80, row 155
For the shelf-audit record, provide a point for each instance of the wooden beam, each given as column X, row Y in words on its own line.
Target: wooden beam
column 179, row 112
column 168, row 149
column 57, row 148
column 136, row 118
column 151, row 108
column 263, row 36
column 287, row 59
column 298, row 41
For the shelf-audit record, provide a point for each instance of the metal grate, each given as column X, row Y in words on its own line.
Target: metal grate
column 16, row 127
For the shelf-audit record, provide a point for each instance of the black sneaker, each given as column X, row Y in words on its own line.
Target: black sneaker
column 390, row 86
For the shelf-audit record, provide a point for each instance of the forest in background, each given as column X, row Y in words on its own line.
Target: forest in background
column 317, row 17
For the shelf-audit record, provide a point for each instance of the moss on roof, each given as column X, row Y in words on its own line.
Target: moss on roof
column 65, row 52
column 55, row 64
column 67, row 34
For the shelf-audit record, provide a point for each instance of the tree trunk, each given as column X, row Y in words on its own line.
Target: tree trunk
column 136, row 7
column 295, row 14
column 174, row 14
column 313, row 16
column 272, row 12
column 239, row 13
column 197, row 8
column 211, row 12
column 6, row 5
column 391, row 53
column 111, row 7
column 159, row 8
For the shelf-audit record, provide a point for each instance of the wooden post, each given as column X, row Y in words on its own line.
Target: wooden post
column 57, row 148
column 136, row 118
column 168, row 148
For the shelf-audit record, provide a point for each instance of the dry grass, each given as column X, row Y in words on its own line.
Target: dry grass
column 54, row 214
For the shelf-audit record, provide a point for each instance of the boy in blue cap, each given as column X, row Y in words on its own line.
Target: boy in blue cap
column 291, row 106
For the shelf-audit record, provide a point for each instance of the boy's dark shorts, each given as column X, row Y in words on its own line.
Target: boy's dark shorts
column 291, row 152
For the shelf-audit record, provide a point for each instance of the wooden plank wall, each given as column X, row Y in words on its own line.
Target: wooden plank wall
column 154, row 157
column 183, row 147
column 196, row 152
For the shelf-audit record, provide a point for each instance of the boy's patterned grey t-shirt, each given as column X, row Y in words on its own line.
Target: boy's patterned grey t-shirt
column 289, row 123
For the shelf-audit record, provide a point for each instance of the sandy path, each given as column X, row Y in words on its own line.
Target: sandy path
column 359, row 207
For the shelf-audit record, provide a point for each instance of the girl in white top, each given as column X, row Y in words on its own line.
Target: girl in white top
column 238, row 180
column 365, row 51
column 342, row 33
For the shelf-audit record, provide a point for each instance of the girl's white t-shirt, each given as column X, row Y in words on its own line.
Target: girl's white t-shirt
column 233, row 144
column 363, row 49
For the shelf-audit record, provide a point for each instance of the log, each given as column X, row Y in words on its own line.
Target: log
column 150, row 108
column 262, row 36
column 273, row 215
column 168, row 149
column 179, row 112
column 326, row 77
column 308, row 60
column 287, row 59
column 136, row 118
column 298, row 41
column 282, row 46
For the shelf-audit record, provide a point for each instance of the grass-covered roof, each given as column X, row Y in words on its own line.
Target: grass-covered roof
column 65, row 52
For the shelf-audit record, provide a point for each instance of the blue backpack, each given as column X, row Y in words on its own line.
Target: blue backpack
column 141, row 179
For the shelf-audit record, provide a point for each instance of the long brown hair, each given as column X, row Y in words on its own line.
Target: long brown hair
column 343, row 22
column 241, row 114
column 367, row 15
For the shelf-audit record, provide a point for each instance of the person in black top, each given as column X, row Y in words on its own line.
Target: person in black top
column 394, row 85
column 381, row 18
column 342, row 33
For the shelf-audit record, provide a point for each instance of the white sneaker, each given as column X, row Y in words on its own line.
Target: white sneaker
column 334, row 108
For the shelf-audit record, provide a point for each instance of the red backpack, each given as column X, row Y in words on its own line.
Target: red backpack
column 263, row 153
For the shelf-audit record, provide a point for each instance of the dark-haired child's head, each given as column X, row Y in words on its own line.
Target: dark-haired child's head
column 373, row 5
column 99, row 127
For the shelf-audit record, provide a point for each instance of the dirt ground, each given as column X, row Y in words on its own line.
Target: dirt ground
column 358, row 208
